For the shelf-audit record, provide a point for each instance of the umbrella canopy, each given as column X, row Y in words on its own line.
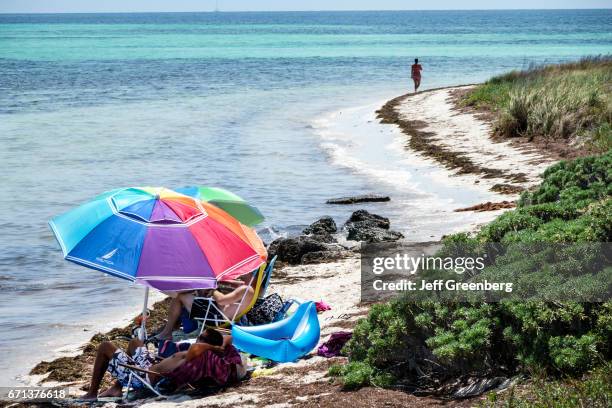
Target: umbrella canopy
column 227, row 201
column 158, row 237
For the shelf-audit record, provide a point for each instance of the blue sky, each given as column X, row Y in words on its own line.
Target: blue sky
column 72, row 6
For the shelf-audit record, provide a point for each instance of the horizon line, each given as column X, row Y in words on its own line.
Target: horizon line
column 293, row 11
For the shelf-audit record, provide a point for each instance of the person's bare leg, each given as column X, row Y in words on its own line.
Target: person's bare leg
column 104, row 355
column 174, row 313
column 236, row 301
column 116, row 390
column 170, row 363
column 133, row 345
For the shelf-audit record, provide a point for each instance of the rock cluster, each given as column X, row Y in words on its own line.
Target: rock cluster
column 363, row 226
column 318, row 242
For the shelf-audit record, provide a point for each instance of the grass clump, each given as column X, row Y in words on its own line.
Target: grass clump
column 571, row 101
column 421, row 344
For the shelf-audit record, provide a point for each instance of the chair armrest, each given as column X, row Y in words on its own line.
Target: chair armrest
column 203, row 298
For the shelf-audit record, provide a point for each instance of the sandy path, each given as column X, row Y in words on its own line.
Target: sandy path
column 466, row 134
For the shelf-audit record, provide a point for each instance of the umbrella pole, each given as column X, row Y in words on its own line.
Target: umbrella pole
column 142, row 334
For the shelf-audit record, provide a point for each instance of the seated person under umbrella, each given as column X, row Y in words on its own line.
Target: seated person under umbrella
column 232, row 303
column 212, row 357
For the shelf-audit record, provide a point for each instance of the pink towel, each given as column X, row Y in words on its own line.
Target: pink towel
column 322, row 306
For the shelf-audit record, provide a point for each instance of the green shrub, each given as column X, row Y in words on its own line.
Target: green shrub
column 357, row 374
column 576, row 182
column 335, row 370
column 574, row 354
column 405, row 341
column 511, row 221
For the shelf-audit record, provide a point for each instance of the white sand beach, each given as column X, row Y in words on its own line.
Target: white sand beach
column 467, row 134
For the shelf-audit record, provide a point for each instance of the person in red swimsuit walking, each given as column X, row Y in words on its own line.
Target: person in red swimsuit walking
column 416, row 74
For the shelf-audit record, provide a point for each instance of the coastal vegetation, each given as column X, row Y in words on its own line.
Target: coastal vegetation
column 423, row 345
column 568, row 102
column 594, row 389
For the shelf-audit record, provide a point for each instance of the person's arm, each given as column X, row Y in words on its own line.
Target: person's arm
column 232, row 297
column 198, row 349
column 227, row 341
column 234, row 282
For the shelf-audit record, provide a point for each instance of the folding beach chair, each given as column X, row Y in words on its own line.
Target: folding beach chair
column 162, row 389
column 267, row 277
column 215, row 317
column 261, row 292
column 193, row 378
column 140, row 374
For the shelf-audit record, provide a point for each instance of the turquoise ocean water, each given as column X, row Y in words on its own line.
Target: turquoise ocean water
column 90, row 102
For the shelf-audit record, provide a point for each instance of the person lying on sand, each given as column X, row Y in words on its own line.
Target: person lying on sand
column 416, row 74
column 228, row 303
column 211, row 356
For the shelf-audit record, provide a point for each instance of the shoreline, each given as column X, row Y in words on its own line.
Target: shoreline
column 431, row 132
column 337, row 283
column 424, row 195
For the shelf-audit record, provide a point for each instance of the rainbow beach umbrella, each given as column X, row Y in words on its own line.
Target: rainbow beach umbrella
column 159, row 238
column 229, row 202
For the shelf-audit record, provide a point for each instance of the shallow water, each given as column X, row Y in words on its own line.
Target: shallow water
column 247, row 101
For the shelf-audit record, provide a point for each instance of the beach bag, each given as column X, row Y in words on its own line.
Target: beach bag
column 188, row 324
column 265, row 310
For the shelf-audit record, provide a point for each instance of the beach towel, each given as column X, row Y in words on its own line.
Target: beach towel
column 333, row 346
column 219, row 368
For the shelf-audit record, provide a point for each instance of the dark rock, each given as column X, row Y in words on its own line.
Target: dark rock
column 360, row 232
column 363, row 226
column 367, row 198
column 373, row 220
column 326, row 238
column 324, row 256
column 323, row 226
column 291, row 250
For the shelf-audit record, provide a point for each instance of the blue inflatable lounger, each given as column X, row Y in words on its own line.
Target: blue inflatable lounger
column 282, row 341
